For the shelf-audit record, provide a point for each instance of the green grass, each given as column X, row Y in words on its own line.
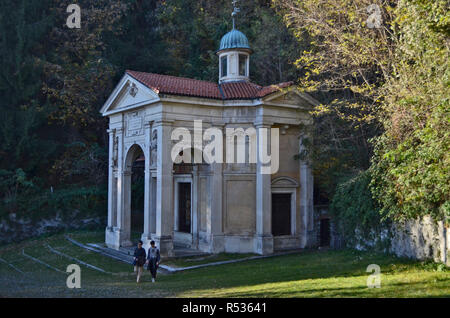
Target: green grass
column 306, row 274
column 199, row 260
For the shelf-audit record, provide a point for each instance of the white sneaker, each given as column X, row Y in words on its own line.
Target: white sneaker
column 153, row 280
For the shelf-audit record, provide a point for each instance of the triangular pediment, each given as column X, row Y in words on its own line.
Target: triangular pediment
column 291, row 97
column 284, row 182
column 127, row 95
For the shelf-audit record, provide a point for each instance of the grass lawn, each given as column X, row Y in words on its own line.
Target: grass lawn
column 306, row 274
column 199, row 260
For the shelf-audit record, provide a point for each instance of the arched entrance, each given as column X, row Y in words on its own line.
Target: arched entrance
column 134, row 192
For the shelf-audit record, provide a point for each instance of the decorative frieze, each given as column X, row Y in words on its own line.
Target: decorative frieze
column 154, row 148
column 134, row 124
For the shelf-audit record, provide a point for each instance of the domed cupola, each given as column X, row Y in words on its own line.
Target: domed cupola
column 234, row 54
column 234, row 39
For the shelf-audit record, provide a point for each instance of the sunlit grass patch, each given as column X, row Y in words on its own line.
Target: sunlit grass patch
column 309, row 273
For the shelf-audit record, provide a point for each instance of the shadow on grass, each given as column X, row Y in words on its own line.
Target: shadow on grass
column 284, row 269
column 348, row 267
column 390, row 290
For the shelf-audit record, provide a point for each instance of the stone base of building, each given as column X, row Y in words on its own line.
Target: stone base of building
column 208, row 243
column 287, row 242
column 115, row 238
column 263, row 244
column 182, row 239
column 165, row 244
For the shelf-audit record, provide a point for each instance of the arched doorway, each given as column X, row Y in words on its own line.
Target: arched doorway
column 134, row 191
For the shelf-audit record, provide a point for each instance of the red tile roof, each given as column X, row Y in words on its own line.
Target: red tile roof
column 173, row 85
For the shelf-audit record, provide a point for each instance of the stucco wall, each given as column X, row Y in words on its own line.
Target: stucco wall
column 240, row 198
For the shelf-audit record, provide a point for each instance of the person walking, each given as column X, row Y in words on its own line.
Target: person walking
column 139, row 261
column 153, row 259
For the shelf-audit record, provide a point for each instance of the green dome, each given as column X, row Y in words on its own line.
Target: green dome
column 234, row 39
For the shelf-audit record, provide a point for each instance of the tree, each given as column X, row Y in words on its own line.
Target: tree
column 77, row 77
column 411, row 166
column 392, row 79
column 345, row 67
column 24, row 144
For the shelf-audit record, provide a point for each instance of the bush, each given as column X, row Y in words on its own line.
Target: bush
column 411, row 165
column 357, row 215
column 86, row 201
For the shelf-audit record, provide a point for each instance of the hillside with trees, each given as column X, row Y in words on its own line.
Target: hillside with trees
column 380, row 146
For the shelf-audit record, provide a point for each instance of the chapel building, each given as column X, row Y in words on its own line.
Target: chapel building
column 242, row 204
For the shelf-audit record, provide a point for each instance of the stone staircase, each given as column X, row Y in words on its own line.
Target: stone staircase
column 125, row 254
column 121, row 254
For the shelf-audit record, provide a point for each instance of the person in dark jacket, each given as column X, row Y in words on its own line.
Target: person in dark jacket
column 139, row 261
column 153, row 259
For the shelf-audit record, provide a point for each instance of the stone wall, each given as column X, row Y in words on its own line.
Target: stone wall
column 15, row 229
column 421, row 239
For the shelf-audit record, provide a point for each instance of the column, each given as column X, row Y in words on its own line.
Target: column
column 153, row 202
column 146, row 236
column 214, row 224
column 111, row 237
column 119, row 179
column 125, row 229
column 195, row 207
column 214, row 212
column 306, row 200
column 123, row 186
column 264, row 238
column 111, row 205
column 164, row 189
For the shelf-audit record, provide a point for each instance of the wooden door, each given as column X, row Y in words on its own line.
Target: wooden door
column 281, row 214
column 184, row 207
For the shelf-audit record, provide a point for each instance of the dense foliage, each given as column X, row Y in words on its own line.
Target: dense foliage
column 391, row 79
column 411, row 166
column 54, row 80
column 384, row 85
column 360, row 221
column 345, row 66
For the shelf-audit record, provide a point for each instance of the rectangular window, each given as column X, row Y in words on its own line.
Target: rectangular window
column 242, row 65
column 223, row 64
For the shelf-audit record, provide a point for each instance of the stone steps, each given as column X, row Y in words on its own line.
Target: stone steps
column 119, row 255
column 123, row 254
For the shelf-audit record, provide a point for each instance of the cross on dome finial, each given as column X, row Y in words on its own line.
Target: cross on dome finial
column 236, row 10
